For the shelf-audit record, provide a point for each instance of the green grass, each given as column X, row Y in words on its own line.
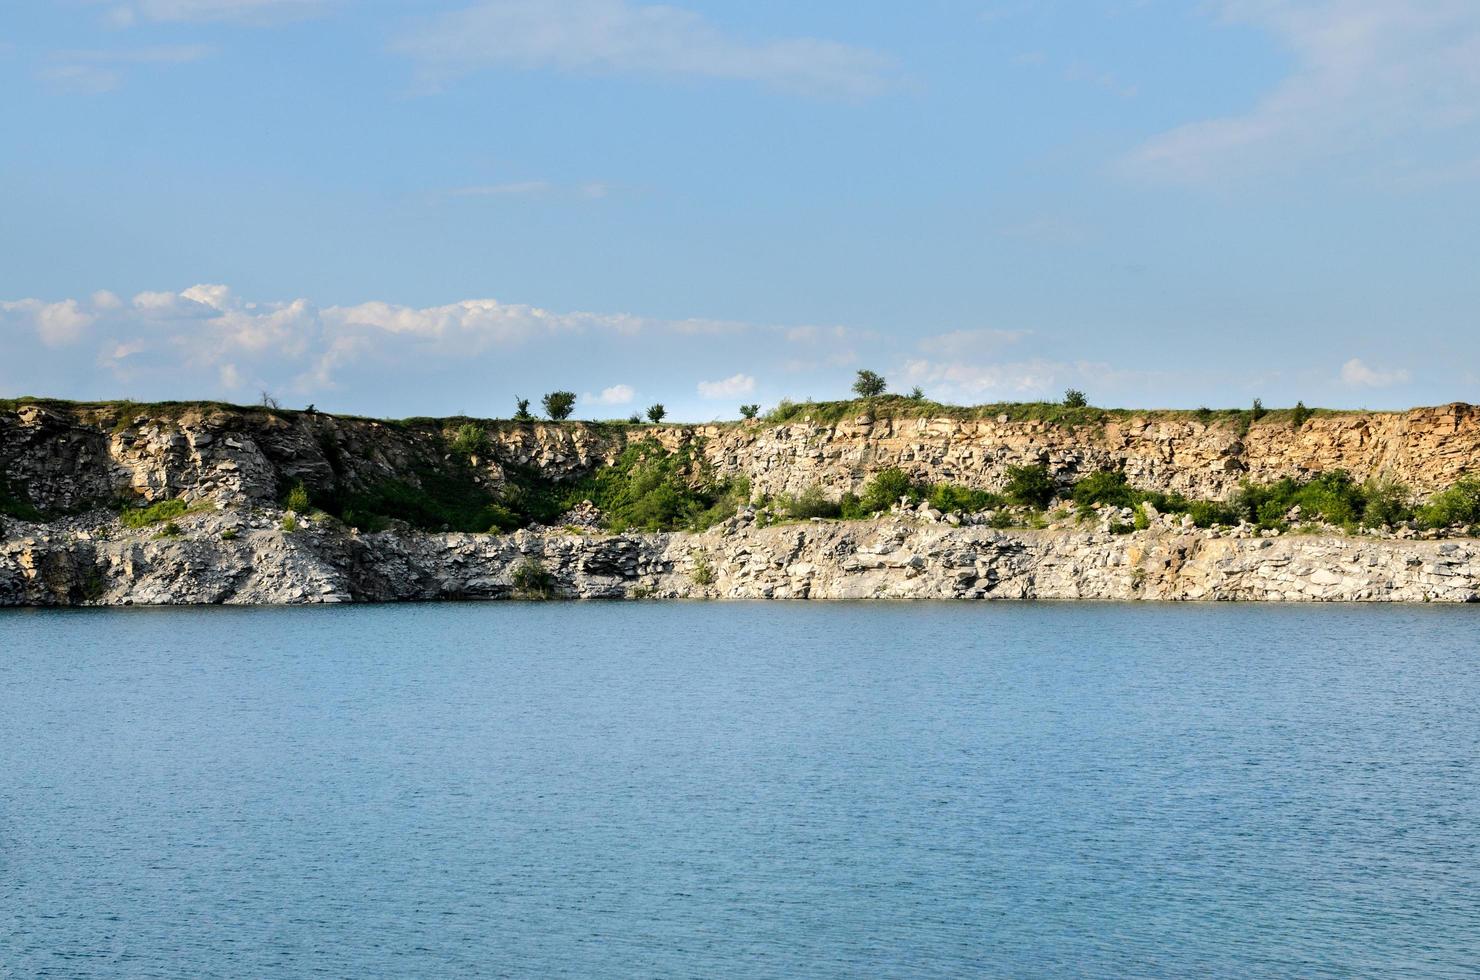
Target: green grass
column 1054, row 413
column 122, row 412
column 142, row 517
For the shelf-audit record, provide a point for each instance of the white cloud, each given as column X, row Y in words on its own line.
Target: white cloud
column 615, row 395
column 1367, row 72
column 731, row 387
column 615, row 36
column 204, row 11
column 478, row 320
column 231, row 378
column 57, row 324
column 80, row 79
column 94, row 72
column 516, row 188
column 62, row 323
column 976, row 382
column 1359, row 375
column 965, row 343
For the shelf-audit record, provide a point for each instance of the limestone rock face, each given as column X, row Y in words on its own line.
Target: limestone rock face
column 233, row 465
column 1426, row 448
column 65, row 457
column 226, row 557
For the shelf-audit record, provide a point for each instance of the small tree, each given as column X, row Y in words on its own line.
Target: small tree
column 522, row 412
column 634, row 419
column 1299, row 415
column 559, row 404
column 269, row 402
column 917, row 394
column 1258, row 411
column 1074, row 398
column 656, row 412
column 749, row 411
column 869, row 384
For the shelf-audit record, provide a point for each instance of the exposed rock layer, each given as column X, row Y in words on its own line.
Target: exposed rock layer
column 237, row 463
column 65, row 457
column 891, row 557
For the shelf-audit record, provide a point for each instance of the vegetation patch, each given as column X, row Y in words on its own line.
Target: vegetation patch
column 531, row 580
column 649, row 488
column 14, row 503
column 142, row 517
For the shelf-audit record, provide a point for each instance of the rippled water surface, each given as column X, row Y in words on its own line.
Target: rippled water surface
column 740, row 790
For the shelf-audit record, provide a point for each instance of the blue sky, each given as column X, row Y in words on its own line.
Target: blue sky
column 421, row 208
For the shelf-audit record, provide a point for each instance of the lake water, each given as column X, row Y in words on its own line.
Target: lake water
column 740, row 790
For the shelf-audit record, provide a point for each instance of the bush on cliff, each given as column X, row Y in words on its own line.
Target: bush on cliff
column 1030, row 486
column 886, row 488
column 811, row 502
column 1108, row 487
column 468, row 441
column 1459, row 506
column 954, row 498
column 649, row 488
column 531, row 580
column 297, row 500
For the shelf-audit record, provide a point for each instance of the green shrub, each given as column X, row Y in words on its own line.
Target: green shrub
column 1258, row 411
column 886, row 488
column 170, row 530
column 1388, row 503
column 521, row 410
column 703, row 572
column 1299, row 415
column 749, row 411
column 1030, row 486
column 147, row 516
column 1206, row 513
column 1459, row 506
column 1106, row 487
column 229, row 534
column 634, row 419
column 951, row 498
column 656, row 413
column 470, row 440
column 811, row 502
column 290, row 523
column 1074, row 398
column 649, row 488
column 917, row 394
column 559, row 404
column 297, row 500
column 532, row 580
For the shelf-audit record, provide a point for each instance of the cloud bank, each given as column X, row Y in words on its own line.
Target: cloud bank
column 605, row 37
column 1367, row 74
column 474, row 356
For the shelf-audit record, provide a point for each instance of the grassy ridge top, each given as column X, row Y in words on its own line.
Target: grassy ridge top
column 824, row 412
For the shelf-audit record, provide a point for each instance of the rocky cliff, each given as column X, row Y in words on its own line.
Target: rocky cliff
column 60, row 457
column 230, row 557
column 65, row 469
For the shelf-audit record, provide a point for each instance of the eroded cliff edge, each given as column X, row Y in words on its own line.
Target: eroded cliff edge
column 67, row 469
